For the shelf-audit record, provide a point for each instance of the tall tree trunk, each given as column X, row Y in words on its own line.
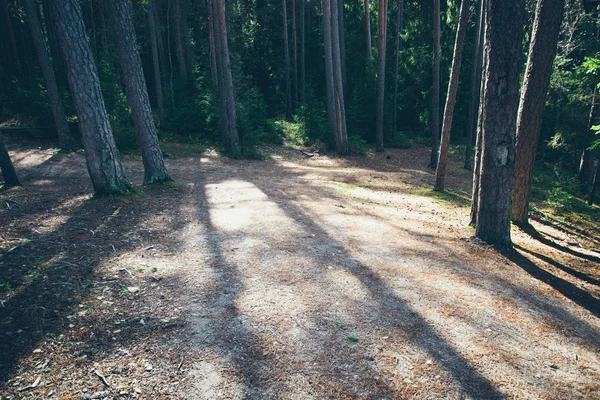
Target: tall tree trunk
column 212, row 46
column 227, row 87
column 103, row 160
column 336, row 112
column 342, row 33
column 368, row 40
column 381, row 55
column 589, row 156
column 295, row 52
column 303, row 52
column 435, row 87
column 479, row 128
column 475, row 85
column 179, row 51
column 16, row 59
column 338, row 79
column 40, row 42
column 544, row 38
column 156, row 65
column 185, row 36
column 501, row 101
column 219, row 74
column 286, row 46
column 137, row 93
column 461, row 32
column 329, row 74
column 8, row 170
column 399, row 20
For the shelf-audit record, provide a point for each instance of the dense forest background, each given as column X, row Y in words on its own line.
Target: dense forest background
column 278, row 69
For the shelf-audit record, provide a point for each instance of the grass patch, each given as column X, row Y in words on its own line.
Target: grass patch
column 447, row 196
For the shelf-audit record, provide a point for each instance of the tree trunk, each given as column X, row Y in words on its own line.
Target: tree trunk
column 338, row 79
column 479, row 128
column 137, row 93
column 103, row 160
column 329, row 75
column 156, row 65
column 475, row 85
column 295, row 53
column 461, row 32
column 544, row 38
column 399, row 20
column 40, row 42
column 342, row 34
column 435, row 87
column 286, row 46
column 227, row 86
column 303, row 52
column 8, row 170
column 212, row 46
column 179, row 52
column 589, row 156
column 381, row 53
column 501, row 101
column 16, row 59
column 368, row 40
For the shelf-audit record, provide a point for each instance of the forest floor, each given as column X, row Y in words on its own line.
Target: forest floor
column 288, row 278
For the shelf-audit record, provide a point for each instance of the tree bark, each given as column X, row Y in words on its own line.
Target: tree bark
column 479, row 128
column 381, row 57
column 212, row 46
column 399, row 20
column 286, row 46
column 303, row 51
column 342, row 34
column 461, row 32
column 40, row 42
column 338, row 79
column 475, row 85
column 544, row 38
column 8, row 170
column 329, row 80
column 179, row 52
column 501, row 100
column 137, row 93
column 103, row 160
column 435, row 88
column 227, row 86
column 295, row 53
column 368, row 40
column 156, row 65
column 16, row 59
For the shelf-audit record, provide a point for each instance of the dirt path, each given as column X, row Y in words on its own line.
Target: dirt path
column 288, row 278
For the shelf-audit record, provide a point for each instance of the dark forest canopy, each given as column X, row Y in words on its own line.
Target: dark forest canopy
column 241, row 73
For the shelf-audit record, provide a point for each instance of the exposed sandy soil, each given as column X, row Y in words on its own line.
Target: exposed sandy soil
column 291, row 278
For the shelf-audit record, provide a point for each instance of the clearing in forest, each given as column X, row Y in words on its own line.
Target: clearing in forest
column 291, row 278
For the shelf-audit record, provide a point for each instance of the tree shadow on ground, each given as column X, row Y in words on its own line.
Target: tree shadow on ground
column 535, row 234
column 394, row 308
column 568, row 270
column 567, row 289
column 49, row 276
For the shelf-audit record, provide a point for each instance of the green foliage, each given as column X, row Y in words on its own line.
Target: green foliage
column 357, row 145
column 558, row 199
column 399, row 141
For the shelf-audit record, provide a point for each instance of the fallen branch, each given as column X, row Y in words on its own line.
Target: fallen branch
column 102, row 378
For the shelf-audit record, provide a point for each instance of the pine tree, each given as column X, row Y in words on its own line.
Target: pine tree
column 500, row 101
column 103, row 160
column 544, row 38
column 137, row 93
column 40, row 42
column 451, row 96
